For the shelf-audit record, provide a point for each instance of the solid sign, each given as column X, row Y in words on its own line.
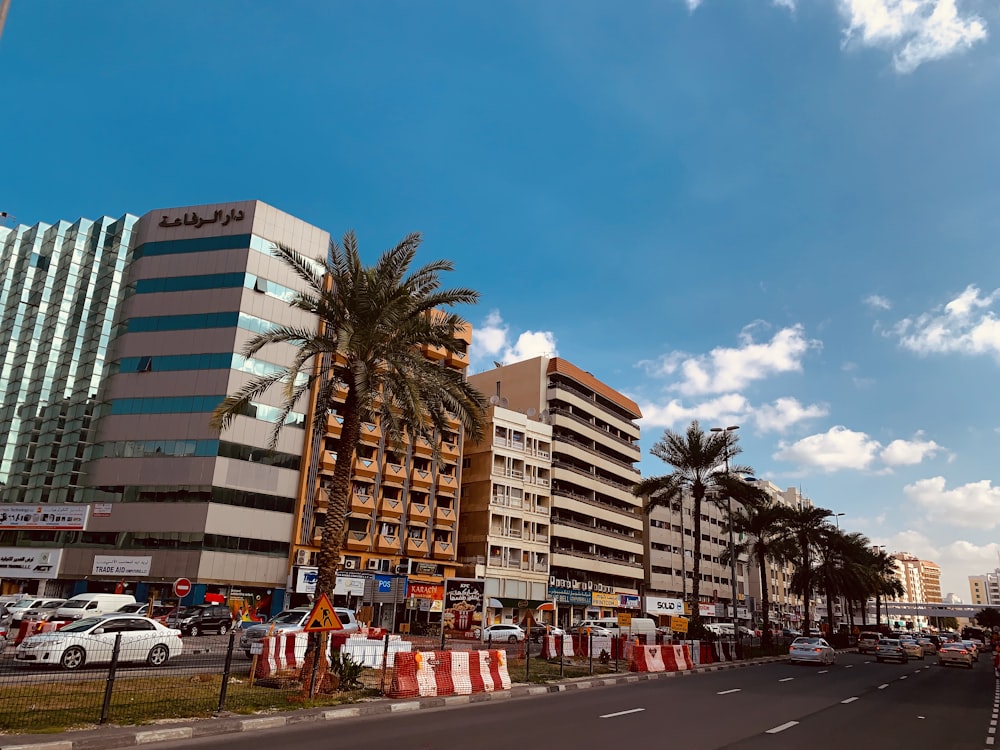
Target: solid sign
column 322, row 617
column 182, row 587
column 624, row 620
column 656, row 605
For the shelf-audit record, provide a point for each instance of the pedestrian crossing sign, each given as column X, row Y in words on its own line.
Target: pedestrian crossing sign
column 322, row 617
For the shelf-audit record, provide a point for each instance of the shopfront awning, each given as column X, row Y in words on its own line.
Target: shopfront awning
column 510, row 602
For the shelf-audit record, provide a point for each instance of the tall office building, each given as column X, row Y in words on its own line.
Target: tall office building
column 506, row 511
column 596, row 564
column 59, row 290
column 985, row 589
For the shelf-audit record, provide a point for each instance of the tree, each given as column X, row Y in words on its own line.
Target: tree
column 805, row 530
column 883, row 580
column 699, row 462
column 758, row 520
column 988, row 618
column 375, row 322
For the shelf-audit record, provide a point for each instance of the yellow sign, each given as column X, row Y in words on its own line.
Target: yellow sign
column 624, row 620
column 687, row 608
column 322, row 617
column 601, row 599
column 679, row 624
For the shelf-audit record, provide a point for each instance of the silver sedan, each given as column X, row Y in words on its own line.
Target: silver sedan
column 811, row 649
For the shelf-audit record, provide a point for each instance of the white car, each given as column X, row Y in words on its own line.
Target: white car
column 92, row 640
column 811, row 649
column 506, row 632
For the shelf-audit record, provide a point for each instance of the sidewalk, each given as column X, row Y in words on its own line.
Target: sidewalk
column 108, row 737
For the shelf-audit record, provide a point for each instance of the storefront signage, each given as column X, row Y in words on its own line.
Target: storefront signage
column 306, row 577
column 106, row 565
column 574, row 585
column 18, row 562
column 101, row 510
column 47, row 517
column 463, row 606
column 656, row 605
column 569, row 596
column 599, row 599
column 710, row 610
column 430, row 591
column 629, row 601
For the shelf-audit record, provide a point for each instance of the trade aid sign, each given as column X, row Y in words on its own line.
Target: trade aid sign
column 107, row 565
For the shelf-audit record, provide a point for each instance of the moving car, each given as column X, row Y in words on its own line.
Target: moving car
column 973, row 648
column 290, row 621
column 92, row 640
column 202, row 618
column 810, row 649
column 912, row 648
column 867, row 642
column 505, row 632
column 927, row 645
column 955, row 653
column 890, row 649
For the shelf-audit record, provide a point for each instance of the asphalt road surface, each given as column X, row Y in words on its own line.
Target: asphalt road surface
column 855, row 704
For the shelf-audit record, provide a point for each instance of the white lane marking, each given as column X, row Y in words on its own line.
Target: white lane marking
column 989, row 740
column 921, row 717
column 902, row 677
column 786, row 679
column 849, row 666
column 823, row 671
column 850, row 700
column 622, row 713
column 727, row 692
column 883, row 686
column 782, row 727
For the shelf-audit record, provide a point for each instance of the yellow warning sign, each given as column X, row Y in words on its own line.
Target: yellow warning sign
column 322, row 617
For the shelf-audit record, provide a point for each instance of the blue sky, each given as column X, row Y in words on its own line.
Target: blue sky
column 770, row 213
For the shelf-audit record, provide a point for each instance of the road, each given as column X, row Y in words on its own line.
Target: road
column 853, row 705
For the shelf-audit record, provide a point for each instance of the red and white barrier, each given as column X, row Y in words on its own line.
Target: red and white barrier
column 281, row 653
column 434, row 673
column 550, row 646
column 660, row 659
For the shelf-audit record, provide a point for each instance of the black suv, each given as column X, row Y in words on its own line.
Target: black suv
column 201, row 618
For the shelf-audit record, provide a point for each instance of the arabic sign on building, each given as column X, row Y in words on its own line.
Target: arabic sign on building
column 306, row 577
column 569, row 596
column 600, row 599
column 192, row 219
column 18, row 562
column 47, row 517
column 107, row 565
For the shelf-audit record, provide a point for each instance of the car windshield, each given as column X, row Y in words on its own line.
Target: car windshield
column 889, row 642
column 806, row 642
column 190, row 611
column 21, row 604
column 82, row 626
column 289, row 617
column 76, row 604
column 131, row 608
column 52, row 605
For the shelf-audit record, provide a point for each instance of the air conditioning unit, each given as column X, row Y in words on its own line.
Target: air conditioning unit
column 350, row 564
column 400, row 569
column 374, row 564
column 303, row 557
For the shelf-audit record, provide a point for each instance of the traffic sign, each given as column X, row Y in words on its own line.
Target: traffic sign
column 322, row 617
column 624, row 620
column 182, row 587
column 679, row 624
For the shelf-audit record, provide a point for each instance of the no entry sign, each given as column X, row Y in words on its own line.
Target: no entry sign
column 182, row 587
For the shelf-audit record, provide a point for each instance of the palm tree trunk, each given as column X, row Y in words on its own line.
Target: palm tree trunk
column 806, row 588
column 765, row 599
column 696, row 567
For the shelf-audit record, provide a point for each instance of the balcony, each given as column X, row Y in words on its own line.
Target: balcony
column 421, row 447
column 418, row 512
column 390, row 544
column 387, row 506
column 366, row 468
column 333, row 425
column 445, row 516
column 420, row 479
column 444, row 550
column 394, row 474
column 327, row 461
column 447, row 481
column 449, row 450
column 362, row 503
column 417, row 547
column 358, row 540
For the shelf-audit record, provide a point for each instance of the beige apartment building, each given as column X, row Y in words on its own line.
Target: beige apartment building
column 596, row 546
column 506, row 512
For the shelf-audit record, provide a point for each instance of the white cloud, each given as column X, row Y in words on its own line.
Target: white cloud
column 974, row 505
column 917, row 31
column 725, row 370
column 878, row 302
column 784, row 413
column 908, row 452
column 786, row 4
column 837, row 448
column 965, row 325
column 491, row 339
column 731, row 409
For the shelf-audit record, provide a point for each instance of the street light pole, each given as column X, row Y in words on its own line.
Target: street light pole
column 732, row 541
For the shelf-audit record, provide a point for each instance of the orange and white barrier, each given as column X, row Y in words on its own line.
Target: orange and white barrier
column 660, row 659
column 550, row 646
column 281, row 653
column 433, row 673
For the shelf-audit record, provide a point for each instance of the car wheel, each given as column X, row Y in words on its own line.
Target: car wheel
column 73, row 658
column 512, row 639
column 158, row 655
column 223, row 629
column 194, row 630
column 970, row 665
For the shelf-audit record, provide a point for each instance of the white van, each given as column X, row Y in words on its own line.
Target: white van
column 91, row 605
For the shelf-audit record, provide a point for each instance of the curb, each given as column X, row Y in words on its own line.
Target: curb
column 109, row 738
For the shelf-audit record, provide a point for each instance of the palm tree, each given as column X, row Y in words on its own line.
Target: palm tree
column 375, row 322
column 759, row 522
column 883, row 580
column 805, row 529
column 699, row 462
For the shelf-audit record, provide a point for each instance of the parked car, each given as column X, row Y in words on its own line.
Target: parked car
column 913, row 649
column 867, row 641
column 811, row 649
column 160, row 611
column 890, row 649
column 202, row 618
column 92, row 640
column 790, row 633
column 45, row 612
column 539, row 631
column 19, row 609
column 504, row 632
column 291, row 621
column 955, row 653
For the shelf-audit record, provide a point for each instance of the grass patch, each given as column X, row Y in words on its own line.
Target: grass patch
column 543, row 671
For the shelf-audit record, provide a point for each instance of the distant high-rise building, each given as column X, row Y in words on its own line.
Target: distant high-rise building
column 985, row 589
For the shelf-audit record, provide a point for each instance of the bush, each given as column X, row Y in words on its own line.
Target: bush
column 347, row 670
